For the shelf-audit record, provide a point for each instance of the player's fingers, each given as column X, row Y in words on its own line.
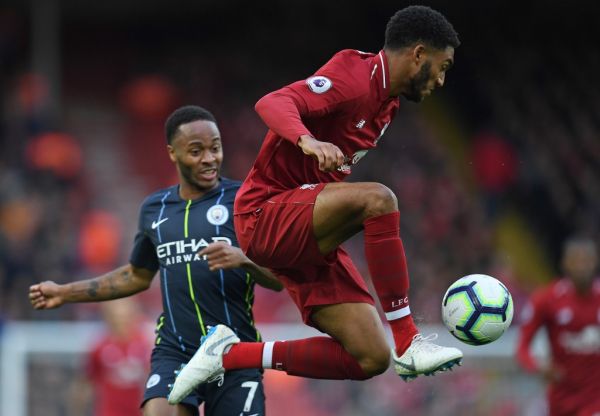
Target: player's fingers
column 321, row 159
column 340, row 158
column 34, row 297
column 206, row 251
column 329, row 161
column 212, row 248
column 214, row 266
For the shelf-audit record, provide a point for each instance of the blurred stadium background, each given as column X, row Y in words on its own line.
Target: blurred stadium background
column 491, row 173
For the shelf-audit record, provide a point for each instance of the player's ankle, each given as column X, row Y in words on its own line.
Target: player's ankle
column 403, row 331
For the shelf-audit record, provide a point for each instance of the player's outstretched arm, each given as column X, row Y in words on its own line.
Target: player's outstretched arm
column 224, row 256
column 124, row 281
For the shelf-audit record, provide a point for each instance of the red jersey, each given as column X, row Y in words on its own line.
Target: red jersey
column 346, row 102
column 118, row 370
column 572, row 322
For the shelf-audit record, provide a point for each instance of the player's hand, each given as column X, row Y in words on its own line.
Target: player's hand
column 46, row 295
column 221, row 255
column 329, row 156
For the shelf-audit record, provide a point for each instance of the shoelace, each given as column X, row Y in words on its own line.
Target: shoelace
column 220, row 377
column 430, row 337
column 424, row 343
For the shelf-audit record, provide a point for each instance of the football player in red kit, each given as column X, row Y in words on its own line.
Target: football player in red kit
column 293, row 212
column 569, row 310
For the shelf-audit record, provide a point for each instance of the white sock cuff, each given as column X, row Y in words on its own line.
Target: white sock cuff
column 397, row 314
column 267, row 356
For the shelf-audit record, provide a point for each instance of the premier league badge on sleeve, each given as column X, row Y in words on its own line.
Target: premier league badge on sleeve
column 217, row 214
column 319, row 84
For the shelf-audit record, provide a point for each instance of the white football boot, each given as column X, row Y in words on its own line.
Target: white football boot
column 424, row 357
column 206, row 365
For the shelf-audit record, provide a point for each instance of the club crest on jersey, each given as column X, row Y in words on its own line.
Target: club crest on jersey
column 153, row 381
column 217, row 214
column 319, row 84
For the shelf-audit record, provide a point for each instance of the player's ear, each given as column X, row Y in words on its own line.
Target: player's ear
column 418, row 53
column 171, row 151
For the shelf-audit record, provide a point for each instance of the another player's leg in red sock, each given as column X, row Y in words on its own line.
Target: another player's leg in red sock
column 318, row 357
column 389, row 273
column 244, row 355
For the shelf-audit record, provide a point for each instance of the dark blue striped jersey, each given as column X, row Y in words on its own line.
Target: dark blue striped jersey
column 171, row 232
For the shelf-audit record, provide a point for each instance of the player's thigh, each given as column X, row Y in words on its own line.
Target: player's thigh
column 159, row 406
column 341, row 208
column 242, row 392
column 357, row 327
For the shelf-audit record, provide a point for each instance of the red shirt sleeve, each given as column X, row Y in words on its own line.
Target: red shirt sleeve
column 534, row 317
column 331, row 87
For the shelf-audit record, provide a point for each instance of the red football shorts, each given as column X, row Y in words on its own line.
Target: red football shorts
column 280, row 236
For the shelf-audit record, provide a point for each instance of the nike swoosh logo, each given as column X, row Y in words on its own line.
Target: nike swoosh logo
column 410, row 366
column 155, row 224
column 211, row 348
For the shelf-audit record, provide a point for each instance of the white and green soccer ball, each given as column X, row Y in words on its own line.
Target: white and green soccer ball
column 477, row 309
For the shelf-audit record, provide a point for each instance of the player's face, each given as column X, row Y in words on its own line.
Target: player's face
column 580, row 262
column 430, row 74
column 198, row 154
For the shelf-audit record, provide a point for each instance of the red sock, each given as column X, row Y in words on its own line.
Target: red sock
column 387, row 265
column 244, row 355
column 318, row 357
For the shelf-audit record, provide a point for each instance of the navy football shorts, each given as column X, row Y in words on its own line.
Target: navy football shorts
column 241, row 393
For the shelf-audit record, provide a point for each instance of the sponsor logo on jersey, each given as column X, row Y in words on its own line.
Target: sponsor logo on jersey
column 217, row 214
column 356, row 157
column 349, row 161
column 361, row 124
column 586, row 341
column 310, row 186
column 153, row 380
column 185, row 251
column 319, row 84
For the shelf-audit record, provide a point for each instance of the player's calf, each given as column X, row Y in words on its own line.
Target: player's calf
column 376, row 363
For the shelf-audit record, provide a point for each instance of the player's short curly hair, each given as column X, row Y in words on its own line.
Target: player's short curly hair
column 419, row 24
column 184, row 115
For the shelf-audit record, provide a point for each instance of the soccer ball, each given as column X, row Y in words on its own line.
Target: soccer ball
column 477, row 309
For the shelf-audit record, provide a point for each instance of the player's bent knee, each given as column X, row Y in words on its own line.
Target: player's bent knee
column 375, row 363
column 379, row 200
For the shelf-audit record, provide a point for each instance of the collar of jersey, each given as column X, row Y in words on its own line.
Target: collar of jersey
column 223, row 183
column 382, row 75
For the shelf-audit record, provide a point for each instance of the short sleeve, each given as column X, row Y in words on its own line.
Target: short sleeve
column 143, row 254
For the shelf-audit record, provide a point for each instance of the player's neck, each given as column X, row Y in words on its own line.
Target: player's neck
column 582, row 288
column 398, row 73
column 188, row 191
